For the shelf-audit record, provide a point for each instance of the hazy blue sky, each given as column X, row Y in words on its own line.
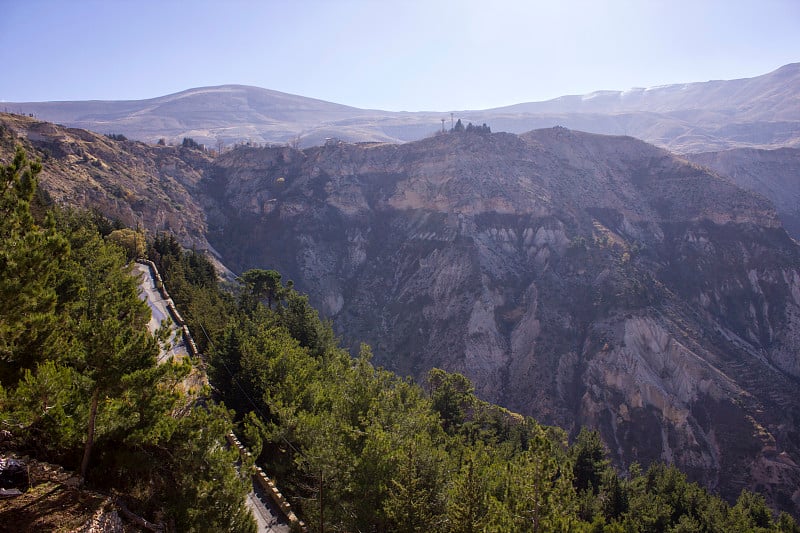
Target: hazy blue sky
column 395, row 55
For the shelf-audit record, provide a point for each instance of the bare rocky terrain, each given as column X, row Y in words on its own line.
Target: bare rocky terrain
column 581, row 279
column 759, row 112
column 775, row 174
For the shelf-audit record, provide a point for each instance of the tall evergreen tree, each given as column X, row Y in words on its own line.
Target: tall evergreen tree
column 263, row 285
column 112, row 345
column 30, row 258
column 589, row 456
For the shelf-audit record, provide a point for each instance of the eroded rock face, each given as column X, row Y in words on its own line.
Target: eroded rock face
column 581, row 279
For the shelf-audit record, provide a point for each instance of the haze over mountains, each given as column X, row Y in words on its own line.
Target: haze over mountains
column 760, row 112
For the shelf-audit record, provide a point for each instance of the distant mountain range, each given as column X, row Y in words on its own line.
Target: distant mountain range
column 761, row 112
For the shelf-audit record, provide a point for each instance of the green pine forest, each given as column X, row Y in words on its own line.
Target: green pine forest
column 355, row 448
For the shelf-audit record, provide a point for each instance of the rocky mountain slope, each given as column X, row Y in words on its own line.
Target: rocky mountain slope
column 759, row 112
column 775, row 174
column 150, row 186
column 577, row 278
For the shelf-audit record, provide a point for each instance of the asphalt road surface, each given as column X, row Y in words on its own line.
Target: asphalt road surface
column 158, row 309
column 270, row 519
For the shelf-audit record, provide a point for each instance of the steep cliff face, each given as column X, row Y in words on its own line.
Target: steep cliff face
column 577, row 278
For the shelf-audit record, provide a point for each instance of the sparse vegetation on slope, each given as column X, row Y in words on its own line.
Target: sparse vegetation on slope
column 140, row 185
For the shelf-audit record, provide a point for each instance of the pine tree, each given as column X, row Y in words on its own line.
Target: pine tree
column 112, row 346
column 204, row 492
column 263, row 285
column 590, row 461
column 452, row 396
column 468, row 505
column 30, row 259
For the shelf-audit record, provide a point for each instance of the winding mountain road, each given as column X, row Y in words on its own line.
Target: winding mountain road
column 158, row 313
column 268, row 517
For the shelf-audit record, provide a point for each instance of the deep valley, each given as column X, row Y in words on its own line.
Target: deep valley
column 584, row 280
